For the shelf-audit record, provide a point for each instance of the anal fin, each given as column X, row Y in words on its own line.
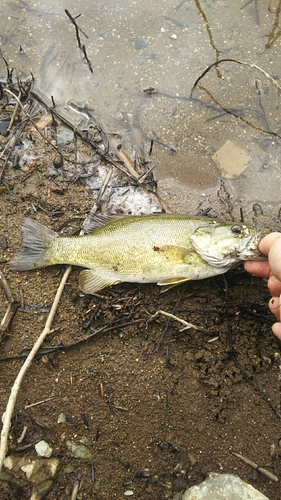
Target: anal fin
column 91, row 282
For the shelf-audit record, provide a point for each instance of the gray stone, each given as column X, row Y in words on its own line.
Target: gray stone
column 78, row 451
column 64, row 136
column 223, row 487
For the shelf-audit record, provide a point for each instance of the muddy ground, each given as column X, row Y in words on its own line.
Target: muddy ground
column 157, row 408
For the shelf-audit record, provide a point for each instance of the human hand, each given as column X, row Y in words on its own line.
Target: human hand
column 270, row 245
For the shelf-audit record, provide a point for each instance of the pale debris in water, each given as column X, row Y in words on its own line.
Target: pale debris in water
column 231, row 159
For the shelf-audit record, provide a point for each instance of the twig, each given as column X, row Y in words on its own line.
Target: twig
column 255, row 466
column 72, row 19
column 83, row 48
column 6, row 287
column 39, row 402
column 15, row 389
column 250, row 65
column 128, row 164
column 13, row 115
column 146, row 174
column 80, row 45
column 187, row 325
column 239, row 117
column 22, row 436
column 76, row 486
column 11, row 309
column 105, row 183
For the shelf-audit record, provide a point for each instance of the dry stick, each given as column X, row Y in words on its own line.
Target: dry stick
column 80, row 45
column 96, row 205
column 76, row 487
column 128, row 164
column 144, row 176
column 104, row 186
column 255, row 466
column 12, row 307
column 182, row 321
column 72, row 19
column 13, row 115
column 15, row 389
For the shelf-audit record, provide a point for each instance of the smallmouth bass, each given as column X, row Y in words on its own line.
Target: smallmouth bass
column 166, row 249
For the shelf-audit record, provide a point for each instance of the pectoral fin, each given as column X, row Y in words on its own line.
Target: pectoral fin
column 167, row 284
column 91, row 282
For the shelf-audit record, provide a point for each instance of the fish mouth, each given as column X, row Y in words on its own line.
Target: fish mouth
column 249, row 246
column 246, row 249
column 248, row 243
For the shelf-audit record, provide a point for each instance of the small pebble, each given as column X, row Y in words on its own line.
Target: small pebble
column 257, row 209
column 43, row 449
column 57, row 162
column 3, row 242
column 61, row 418
column 128, row 493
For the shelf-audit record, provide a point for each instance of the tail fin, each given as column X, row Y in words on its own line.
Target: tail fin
column 36, row 243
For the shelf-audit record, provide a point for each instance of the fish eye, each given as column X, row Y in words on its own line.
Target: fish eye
column 236, row 229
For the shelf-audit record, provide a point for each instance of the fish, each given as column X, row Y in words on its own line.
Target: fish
column 167, row 249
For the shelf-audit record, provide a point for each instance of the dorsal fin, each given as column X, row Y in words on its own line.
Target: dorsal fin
column 96, row 221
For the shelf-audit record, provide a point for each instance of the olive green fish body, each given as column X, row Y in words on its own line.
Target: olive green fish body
column 166, row 249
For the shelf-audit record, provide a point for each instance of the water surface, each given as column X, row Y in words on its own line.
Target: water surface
column 133, row 46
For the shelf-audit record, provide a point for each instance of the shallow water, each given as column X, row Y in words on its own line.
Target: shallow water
column 133, row 46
